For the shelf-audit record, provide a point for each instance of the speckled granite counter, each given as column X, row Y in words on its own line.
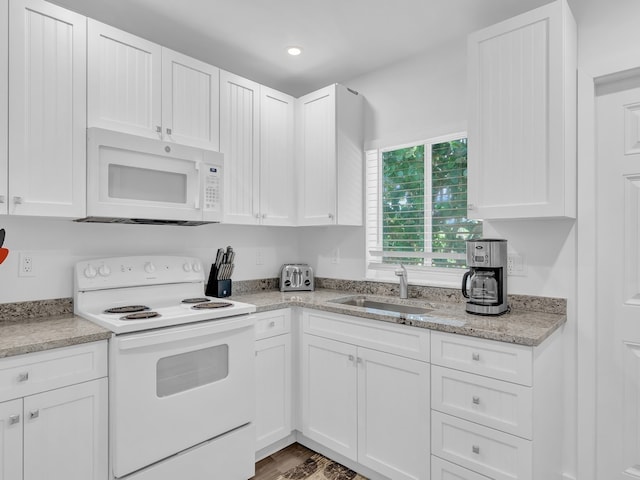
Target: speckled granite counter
column 524, row 327
column 24, row 328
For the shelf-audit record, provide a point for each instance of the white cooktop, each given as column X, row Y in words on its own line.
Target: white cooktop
column 157, row 282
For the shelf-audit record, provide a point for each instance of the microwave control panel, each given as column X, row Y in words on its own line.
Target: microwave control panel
column 213, row 188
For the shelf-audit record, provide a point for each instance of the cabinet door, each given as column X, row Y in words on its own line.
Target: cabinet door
column 47, row 110
column 65, row 433
column 4, row 106
column 190, row 101
column 277, row 186
column 522, row 87
column 239, row 141
column 316, row 157
column 329, row 394
column 273, row 390
column 124, row 82
column 393, row 415
column 11, row 440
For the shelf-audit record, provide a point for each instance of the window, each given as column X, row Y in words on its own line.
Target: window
column 417, row 209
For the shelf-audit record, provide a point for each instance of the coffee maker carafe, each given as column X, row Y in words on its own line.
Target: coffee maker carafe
column 485, row 284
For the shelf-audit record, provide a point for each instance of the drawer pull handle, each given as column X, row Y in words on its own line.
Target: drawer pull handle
column 34, row 414
column 475, row 356
column 23, row 377
column 359, row 360
column 352, row 358
column 475, row 449
column 476, row 400
column 272, row 324
column 13, row 419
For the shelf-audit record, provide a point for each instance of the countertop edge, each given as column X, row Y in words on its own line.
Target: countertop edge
column 445, row 323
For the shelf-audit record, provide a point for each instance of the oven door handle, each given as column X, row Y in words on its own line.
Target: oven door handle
column 198, row 331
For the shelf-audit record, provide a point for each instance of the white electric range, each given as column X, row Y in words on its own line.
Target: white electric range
column 181, row 368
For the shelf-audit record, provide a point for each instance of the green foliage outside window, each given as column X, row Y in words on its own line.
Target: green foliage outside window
column 404, row 214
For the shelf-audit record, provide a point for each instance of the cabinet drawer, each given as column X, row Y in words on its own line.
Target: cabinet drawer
column 270, row 324
column 401, row 340
column 489, row 452
column 504, row 361
column 37, row 372
column 443, row 470
column 494, row 403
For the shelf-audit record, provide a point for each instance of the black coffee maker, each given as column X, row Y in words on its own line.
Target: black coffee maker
column 485, row 284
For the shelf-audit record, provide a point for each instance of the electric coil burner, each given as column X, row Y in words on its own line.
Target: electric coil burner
column 211, row 305
column 127, row 309
column 140, row 316
column 196, row 300
column 181, row 368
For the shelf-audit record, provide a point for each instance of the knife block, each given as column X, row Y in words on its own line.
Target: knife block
column 217, row 288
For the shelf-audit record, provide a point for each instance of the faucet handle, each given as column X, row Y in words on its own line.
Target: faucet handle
column 402, row 271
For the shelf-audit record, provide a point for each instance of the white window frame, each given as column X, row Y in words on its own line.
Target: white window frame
column 385, row 272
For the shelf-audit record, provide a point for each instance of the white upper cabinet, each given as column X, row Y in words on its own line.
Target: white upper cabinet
column 4, row 106
column 277, row 186
column 47, row 110
column 190, row 101
column 239, row 142
column 125, row 78
column 522, row 122
column 329, row 154
column 139, row 87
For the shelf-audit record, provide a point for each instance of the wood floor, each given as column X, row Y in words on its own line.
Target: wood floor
column 271, row 467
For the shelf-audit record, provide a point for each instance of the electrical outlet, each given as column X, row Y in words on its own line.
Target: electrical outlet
column 516, row 266
column 335, row 256
column 26, row 265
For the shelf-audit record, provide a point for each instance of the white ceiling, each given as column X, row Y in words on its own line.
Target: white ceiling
column 342, row 39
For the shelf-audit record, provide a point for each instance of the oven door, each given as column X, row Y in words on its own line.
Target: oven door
column 136, row 177
column 173, row 388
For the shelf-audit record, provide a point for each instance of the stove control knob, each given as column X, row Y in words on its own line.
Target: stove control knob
column 90, row 271
column 196, row 267
column 186, row 267
column 104, row 271
column 149, row 267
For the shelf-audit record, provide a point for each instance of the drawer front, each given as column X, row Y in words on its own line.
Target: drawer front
column 38, row 372
column 443, row 470
column 501, row 405
column 401, row 340
column 504, row 361
column 492, row 453
column 270, row 324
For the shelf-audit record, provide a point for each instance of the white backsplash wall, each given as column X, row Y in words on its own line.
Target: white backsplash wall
column 56, row 245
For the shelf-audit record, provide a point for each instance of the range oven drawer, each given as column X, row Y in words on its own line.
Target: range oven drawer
column 177, row 387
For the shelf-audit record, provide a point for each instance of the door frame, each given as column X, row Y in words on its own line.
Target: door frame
column 587, row 225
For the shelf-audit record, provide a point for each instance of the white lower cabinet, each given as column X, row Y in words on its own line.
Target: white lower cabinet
column 59, row 433
column 496, row 409
column 273, row 377
column 366, row 404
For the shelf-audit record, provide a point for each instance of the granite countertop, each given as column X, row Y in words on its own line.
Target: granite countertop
column 44, row 333
column 524, row 327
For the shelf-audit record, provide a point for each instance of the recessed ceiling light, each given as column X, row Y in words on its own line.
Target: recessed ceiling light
column 295, row 51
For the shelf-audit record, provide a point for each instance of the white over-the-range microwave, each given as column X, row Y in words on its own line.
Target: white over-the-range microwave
column 133, row 179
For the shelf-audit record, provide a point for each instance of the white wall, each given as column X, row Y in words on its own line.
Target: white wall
column 608, row 35
column 56, row 245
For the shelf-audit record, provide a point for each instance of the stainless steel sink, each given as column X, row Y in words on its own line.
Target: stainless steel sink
column 370, row 304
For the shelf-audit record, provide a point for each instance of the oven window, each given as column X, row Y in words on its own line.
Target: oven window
column 189, row 370
column 134, row 183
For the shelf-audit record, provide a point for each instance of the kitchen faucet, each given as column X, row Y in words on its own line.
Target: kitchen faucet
column 402, row 273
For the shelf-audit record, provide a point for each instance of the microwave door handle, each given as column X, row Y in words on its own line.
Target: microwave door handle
column 199, row 189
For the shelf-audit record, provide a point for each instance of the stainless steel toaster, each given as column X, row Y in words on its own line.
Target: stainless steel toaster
column 296, row 277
